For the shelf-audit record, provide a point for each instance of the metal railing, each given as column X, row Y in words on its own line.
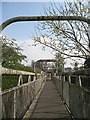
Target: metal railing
column 74, row 88
column 16, row 100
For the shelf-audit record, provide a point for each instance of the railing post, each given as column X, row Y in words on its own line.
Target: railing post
column 34, row 78
column 64, row 78
column 29, row 78
column 60, row 77
column 14, row 115
column 80, row 83
column 89, row 23
column 0, row 77
column 69, row 79
column 1, row 105
column 0, row 92
column 20, row 80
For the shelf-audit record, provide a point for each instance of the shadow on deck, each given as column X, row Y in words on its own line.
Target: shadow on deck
column 50, row 104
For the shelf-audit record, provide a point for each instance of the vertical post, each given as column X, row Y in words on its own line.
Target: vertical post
column 0, row 95
column 69, row 79
column 60, row 77
column 1, row 62
column 35, row 67
column 1, row 105
column 1, row 76
column 80, row 83
column 64, row 78
column 14, row 115
column 20, row 80
column 89, row 23
column 78, row 80
column 34, row 78
column 29, row 78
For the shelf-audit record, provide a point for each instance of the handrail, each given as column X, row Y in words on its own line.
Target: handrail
column 74, row 88
column 78, row 72
column 7, row 71
column 16, row 72
column 20, row 97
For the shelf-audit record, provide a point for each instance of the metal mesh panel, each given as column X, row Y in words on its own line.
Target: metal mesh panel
column 77, row 102
column 17, row 100
column 24, row 97
column 8, row 106
column 87, row 102
column 85, row 81
column 38, row 84
column 77, row 98
column 0, row 106
column 66, row 92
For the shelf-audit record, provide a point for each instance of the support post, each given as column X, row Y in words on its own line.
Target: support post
column 20, row 80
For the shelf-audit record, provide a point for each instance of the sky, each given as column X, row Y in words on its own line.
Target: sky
column 23, row 31
column 13, row 9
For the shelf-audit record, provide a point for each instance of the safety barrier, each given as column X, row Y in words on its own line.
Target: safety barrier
column 17, row 100
column 74, row 88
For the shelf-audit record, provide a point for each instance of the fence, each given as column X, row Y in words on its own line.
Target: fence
column 74, row 88
column 17, row 100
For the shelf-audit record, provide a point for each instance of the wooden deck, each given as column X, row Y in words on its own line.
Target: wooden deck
column 50, row 104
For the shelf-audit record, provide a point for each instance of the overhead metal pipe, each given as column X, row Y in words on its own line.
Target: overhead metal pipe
column 42, row 18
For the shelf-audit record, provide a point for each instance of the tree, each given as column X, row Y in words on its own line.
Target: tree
column 87, row 63
column 32, row 64
column 59, row 62
column 11, row 54
column 70, row 38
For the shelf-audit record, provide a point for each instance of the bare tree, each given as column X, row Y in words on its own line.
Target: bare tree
column 70, row 38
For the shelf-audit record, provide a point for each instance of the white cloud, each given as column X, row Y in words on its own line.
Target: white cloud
column 34, row 52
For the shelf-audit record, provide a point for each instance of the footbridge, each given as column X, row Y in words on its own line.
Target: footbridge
column 36, row 96
column 63, row 96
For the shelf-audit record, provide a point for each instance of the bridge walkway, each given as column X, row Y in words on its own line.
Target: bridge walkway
column 50, row 104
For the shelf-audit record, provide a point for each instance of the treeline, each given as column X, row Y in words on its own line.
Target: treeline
column 12, row 55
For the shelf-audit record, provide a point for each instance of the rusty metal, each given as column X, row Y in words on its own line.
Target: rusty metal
column 15, row 72
column 42, row 18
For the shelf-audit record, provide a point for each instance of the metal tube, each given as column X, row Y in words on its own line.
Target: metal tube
column 42, row 18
